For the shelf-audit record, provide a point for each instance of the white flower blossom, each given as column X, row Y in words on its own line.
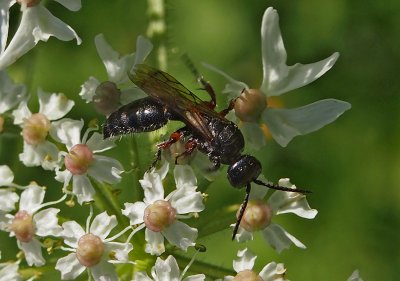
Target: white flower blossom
column 117, row 68
column 32, row 221
column 38, row 151
column 10, row 94
column 91, row 249
column 160, row 215
column 82, row 160
column 37, row 24
column 278, row 78
column 9, row 272
column 244, row 268
column 167, row 269
column 280, row 202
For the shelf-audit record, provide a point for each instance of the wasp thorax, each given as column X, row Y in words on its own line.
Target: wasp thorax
column 107, row 98
column 159, row 215
column 90, row 250
column 78, row 160
column 22, row 226
column 36, row 128
column 256, row 216
column 28, row 3
column 1, row 124
column 250, row 105
column 247, row 275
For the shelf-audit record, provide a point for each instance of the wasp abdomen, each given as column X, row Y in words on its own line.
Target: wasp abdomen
column 143, row 115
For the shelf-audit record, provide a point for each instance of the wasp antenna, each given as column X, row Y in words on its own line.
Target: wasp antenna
column 241, row 212
column 189, row 64
column 282, row 188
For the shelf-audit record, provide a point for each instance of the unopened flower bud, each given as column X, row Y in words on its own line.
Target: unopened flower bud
column 78, row 159
column 90, row 249
column 35, row 129
column 107, row 98
column 247, row 275
column 22, row 226
column 250, row 105
column 159, row 215
column 256, row 216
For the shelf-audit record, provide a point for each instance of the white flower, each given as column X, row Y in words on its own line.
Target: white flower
column 108, row 97
column 91, row 249
column 160, row 215
column 37, row 24
column 32, row 221
column 8, row 198
column 355, row 276
column 244, row 268
column 9, row 272
column 35, row 127
column 165, row 270
column 81, row 162
column 258, row 215
column 278, row 78
column 10, row 94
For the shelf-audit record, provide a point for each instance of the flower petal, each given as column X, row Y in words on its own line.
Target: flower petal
column 155, row 242
column 285, row 124
column 46, row 222
column 44, row 154
column 105, row 169
column 143, row 49
column 246, row 260
column 355, row 276
column 10, row 94
column 72, row 5
column 82, row 188
column 69, row 267
column 21, row 113
column 10, row 272
column 185, row 177
column 167, row 269
column 7, row 200
column 141, row 276
column 242, row 234
column 283, row 202
column 196, row 277
column 67, row 131
column 104, row 271
column 33, row 252
column 253, row 135
column 4, row 22
column 54, row 106
column 278, row 78
column 273, row 272
column 116, row 66
column 233, row 88
column 6, row 175
column 120, row 250
column 186, row 201
column 97, row 143
column 180, row 235
column 88, row 89
column 134, row 211
column 102, row 225
column 279, row 239
column 71, row 233
column 31, row 198
column 37, row 23
column 152, row 186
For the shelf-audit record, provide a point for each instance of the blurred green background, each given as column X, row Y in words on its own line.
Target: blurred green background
column 352, row 166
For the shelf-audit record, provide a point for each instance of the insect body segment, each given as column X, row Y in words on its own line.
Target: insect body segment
column 205, row 129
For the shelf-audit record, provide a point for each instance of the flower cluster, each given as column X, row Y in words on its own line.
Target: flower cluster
column 110, row 243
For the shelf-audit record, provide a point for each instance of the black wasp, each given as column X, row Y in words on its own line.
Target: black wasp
column 205, row 129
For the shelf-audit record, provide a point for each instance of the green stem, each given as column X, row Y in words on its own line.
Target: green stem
column 136, row 170
column 210, row 270
column 157, row 31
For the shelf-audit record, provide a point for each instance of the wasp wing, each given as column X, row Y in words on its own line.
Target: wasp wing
column 177, row 98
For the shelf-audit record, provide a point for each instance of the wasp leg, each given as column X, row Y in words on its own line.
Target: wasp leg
column 241, row 212
column 231, row 105
column 174, row 137
column 190, row 145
